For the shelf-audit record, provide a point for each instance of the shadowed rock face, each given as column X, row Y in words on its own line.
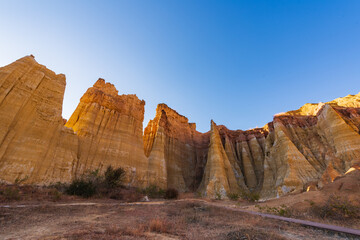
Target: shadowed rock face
column 310, row 146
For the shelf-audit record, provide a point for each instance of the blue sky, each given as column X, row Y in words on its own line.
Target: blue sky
column 236, row 62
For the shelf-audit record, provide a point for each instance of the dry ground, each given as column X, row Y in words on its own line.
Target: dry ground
column 43, row 213
column 155, row 220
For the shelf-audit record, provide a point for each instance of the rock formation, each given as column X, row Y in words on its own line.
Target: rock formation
column 308, row 147
column 109, row 128
column 175, row 150
column 34, row 144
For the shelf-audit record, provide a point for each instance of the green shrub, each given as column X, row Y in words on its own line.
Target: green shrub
column 171, row 193
column 114, row 177
column 82, row 187
column 93, row 183
column 153, row 191
column 233, row 196
column 250, row 196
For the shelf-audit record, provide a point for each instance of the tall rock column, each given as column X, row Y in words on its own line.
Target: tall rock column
column 172, row 143
column 109, row 127
column 219, row 177
column 34, row 144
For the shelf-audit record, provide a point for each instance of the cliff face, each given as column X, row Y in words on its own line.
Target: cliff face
column 34, row 144
column 301, row 149
column 175, row 150
column 109, row 128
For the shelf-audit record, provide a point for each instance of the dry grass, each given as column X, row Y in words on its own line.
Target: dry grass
column 159, row 225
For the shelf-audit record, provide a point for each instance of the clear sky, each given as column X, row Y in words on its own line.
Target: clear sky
column 236, row 62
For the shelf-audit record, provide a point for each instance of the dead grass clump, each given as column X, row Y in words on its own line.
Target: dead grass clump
column 159, row 225
column 139, row 231
column 252, row 234
column 336, row 208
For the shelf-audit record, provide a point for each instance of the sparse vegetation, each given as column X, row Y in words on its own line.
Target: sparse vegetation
column 282, row 210
column 171, row 193
column 233, row 196
column 81, row 187
column 19, row 180
column 55, row 194
column 11, row 193
column 218, row 196
column 250, row 196
column 337, row 208
column 153, row 191
column 114, row 177
column 92, row 183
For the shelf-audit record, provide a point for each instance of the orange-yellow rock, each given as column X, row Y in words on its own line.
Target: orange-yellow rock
column 34, row 144
column 109, row 127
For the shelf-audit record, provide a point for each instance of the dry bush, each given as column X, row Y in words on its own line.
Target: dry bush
column 55, row 195
column 159, row 225
column 337, row 208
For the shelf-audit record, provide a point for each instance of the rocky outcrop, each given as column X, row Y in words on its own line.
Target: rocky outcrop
column 220, row 175
column 109, row 128
column 35, row 147
column 175, row 150
column 304, row 148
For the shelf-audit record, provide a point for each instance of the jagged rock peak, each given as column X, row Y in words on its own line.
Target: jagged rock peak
column 29, row 60
column 312, row 109
column 106, row 87
column 170, row 113
column 106, row 95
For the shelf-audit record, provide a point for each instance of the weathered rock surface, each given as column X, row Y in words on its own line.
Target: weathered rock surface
column 34, row 144
column 308, row 147
column 109, row 127
column 176, row 151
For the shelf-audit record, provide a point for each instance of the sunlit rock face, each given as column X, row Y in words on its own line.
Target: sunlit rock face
column 34, row 144
column 176, row 151
column 109, row 128
column 308, row 147
column 311, row 149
